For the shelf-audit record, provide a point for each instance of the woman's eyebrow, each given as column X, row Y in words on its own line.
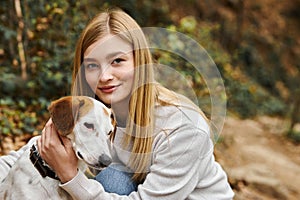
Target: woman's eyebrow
column 114, row 54
column 108, row 56
column 89, row 59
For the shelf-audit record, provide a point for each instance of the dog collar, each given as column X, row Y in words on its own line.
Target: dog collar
column 40, row 164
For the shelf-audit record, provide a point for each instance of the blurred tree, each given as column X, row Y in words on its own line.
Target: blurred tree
column 20, row 31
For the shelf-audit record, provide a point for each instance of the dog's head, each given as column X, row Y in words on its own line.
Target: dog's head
column 89, row 124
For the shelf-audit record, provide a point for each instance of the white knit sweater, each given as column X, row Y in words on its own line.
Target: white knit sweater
column 182, row 166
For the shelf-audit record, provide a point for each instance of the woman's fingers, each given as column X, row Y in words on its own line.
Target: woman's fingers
column 45, row 135
column 49, row 122
column 53, row 136
column 41, row 140
column 66, row 142
column 58, row 153
column 49, row 142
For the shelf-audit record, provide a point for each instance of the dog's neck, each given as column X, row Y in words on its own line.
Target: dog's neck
column 43, row 168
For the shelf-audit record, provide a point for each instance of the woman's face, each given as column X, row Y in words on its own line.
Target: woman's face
column 109, row 69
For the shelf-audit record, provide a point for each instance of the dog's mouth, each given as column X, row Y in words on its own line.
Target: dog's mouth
column 97, row 166
column 104, row 161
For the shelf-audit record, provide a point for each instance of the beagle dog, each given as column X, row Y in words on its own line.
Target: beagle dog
column 89, row 125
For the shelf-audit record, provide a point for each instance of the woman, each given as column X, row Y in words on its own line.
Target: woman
column 161, row 148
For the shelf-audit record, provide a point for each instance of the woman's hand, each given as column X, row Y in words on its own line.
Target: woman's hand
column 57, row 152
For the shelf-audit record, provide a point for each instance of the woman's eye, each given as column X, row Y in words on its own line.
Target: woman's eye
column 117, row 61
column 92, row 66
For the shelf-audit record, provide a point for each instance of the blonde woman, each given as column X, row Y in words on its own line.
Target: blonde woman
column 161, row 149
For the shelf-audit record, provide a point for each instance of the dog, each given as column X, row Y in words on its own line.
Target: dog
column 89, row 125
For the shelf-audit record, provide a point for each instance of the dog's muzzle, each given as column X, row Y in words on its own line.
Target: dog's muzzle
column 40, row 164
column 104, row 160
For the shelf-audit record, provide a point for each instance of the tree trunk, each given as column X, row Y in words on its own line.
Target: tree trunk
column 20, row 39
column 240, row 21
column 11, row 41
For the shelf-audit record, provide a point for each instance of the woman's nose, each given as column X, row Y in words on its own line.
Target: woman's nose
column 106, row 75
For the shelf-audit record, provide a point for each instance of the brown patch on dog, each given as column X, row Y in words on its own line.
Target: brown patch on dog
column 114, row 123
column 105, row 112
column 66, row 111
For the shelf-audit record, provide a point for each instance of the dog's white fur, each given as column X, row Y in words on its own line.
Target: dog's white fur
column 89, row 134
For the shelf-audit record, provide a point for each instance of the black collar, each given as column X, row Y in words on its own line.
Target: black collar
column 40, row 164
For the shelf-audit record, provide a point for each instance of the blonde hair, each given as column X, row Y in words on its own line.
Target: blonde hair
column 140, row 128
column 146, row 93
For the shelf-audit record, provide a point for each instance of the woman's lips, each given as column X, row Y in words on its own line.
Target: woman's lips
column 108, row 89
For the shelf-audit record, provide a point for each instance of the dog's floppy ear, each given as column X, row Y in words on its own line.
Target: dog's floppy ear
column 64, row 113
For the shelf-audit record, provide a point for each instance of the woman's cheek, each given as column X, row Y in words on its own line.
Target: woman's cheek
column 92, row 80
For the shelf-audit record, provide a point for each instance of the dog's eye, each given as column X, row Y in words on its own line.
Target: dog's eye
column 109, row 133
column 89, row 126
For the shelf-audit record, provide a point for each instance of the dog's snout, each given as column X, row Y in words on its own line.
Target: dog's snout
column 104, row 160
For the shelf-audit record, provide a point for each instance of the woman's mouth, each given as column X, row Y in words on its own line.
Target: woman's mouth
column 108, row 89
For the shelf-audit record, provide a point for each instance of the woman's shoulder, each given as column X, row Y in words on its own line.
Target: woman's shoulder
column 177, row 109
column 180, row 127
column 176, row 116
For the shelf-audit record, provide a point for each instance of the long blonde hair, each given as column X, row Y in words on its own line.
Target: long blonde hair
column 140, row 128
column 146, row 93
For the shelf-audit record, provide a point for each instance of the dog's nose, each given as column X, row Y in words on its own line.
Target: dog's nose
column 104, row 160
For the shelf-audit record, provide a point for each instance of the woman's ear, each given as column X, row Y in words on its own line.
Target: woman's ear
column 64, row 113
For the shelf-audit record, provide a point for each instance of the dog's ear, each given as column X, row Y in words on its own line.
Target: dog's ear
column 64, row 113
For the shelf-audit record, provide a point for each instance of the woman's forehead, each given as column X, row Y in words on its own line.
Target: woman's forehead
column 108, row 46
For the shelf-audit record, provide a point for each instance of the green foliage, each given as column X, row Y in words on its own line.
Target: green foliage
column 17, row 118
column 294, row 135
column 16, row 122
column 48, row 49
column 246, row 98
column 249, row 99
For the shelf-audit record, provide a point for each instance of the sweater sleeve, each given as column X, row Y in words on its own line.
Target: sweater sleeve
column 180, row 162
column 7, row 161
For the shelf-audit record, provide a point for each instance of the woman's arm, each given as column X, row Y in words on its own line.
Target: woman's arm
column 7, row 161
column 173, row 174
column 183, row 163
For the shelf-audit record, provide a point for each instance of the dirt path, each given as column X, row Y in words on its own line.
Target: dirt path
column 260, row 162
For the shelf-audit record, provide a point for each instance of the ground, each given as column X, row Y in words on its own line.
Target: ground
column 261, row 163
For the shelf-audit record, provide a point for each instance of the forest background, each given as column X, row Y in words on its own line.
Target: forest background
column 255, row 45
